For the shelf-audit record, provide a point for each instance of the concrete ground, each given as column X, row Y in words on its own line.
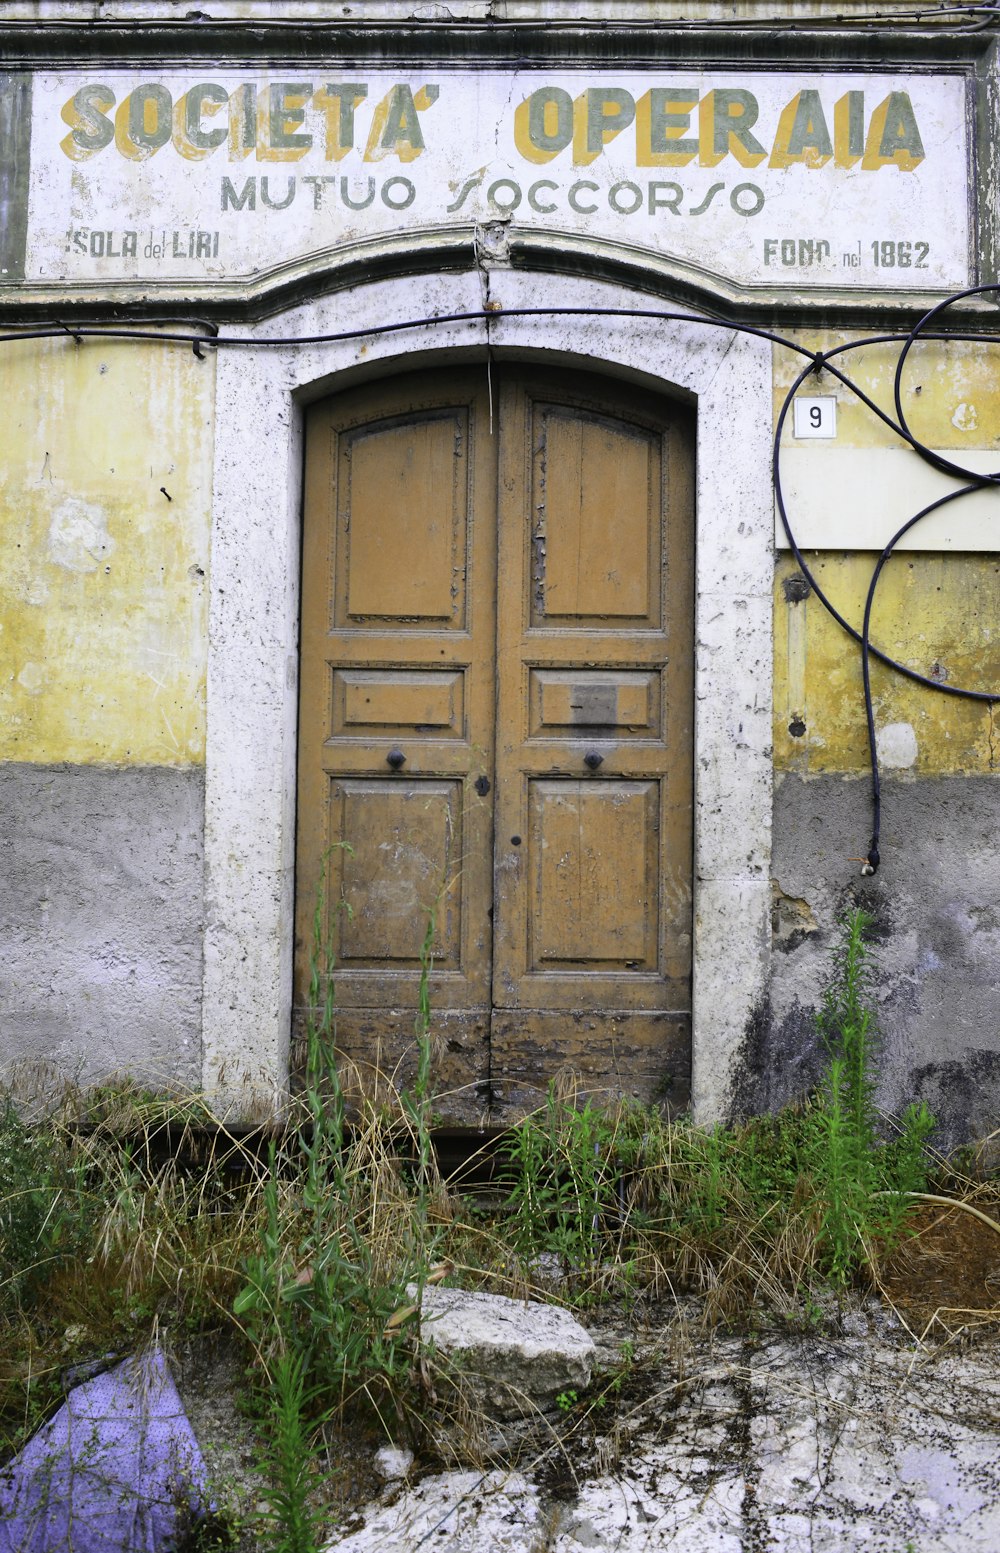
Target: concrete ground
column 849, row 1436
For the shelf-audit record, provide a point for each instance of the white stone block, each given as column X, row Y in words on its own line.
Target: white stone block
column 518, row 1357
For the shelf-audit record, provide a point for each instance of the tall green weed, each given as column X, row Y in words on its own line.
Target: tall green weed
column 561, row 1174
column 326, row 1303
column 813, row 1191
column 860, row 1181
column 44, row 1212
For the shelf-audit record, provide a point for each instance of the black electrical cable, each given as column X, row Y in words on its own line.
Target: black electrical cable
column 79, row 332
column 947, row 466
column 345, row 336
column 822, row 362
column 872, row 859
column 817, row 361
column 871, row 862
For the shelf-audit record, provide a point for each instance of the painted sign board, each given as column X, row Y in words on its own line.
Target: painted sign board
column 765, row 180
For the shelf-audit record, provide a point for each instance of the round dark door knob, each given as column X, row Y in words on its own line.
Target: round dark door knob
column 593, row 759
column 395, row 759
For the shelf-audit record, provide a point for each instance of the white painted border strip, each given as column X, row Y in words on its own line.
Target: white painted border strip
column 856, row 498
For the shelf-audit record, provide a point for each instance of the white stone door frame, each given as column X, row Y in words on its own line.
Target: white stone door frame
column 254, row 619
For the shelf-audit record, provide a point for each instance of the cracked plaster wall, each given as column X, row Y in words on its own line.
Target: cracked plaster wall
column 104, row 537
column 106, row 495
column 935, row 943
column 936, row 897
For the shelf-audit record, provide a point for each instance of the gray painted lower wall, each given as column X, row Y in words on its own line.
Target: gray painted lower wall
column 936, row 941
column 102, row 924
column 101, row 921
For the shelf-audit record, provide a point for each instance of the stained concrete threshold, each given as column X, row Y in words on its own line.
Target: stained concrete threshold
column 806, row 1442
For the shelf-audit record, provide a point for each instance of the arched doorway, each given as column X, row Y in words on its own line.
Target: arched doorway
column 496, row 705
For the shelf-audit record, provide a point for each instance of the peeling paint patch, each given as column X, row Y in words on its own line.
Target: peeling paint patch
column 945, row 383
column 103, row 584
column 934, row 612
column 32, row 678
column 965, row 417
column 896, row 744
column 792, row 919
column 78, row 536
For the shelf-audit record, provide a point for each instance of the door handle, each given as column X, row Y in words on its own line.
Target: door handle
column 395, row 759
column 593, row 759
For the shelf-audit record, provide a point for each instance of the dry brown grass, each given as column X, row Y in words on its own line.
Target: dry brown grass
column 169, row 1208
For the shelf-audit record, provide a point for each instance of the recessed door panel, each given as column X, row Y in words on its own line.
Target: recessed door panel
column 397, row 866
column 404, row 494
column 495, row 731
column 593, row 858
column 376, row 701
column 605, row 700
column 595, row 528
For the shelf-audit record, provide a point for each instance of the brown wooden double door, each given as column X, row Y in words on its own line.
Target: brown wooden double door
column 495, row 717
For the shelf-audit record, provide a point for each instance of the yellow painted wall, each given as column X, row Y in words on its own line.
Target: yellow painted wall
column 103, row 580
column 951, row 398
column 937, row 612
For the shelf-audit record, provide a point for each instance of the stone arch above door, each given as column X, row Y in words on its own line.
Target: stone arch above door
column 253, row 648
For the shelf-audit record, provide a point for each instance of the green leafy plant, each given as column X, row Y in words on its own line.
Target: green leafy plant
column 861, row 1183
column 705, row 1209
column 759, row 1209
column 293, row 1522
column 562, row 1176
column 330, row 1308
column 43, row 1207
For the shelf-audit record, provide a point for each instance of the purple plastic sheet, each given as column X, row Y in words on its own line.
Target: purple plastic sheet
column 116, row 1470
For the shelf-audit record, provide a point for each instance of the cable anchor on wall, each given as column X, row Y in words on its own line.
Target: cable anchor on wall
column 869, row 864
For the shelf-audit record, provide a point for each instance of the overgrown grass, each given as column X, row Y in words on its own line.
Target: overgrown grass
column 744, row 1213
column 304, row 1252
column 327, row 1306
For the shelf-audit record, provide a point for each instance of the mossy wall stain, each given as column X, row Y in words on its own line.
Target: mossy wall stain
column 105, row 497
column 938, row 613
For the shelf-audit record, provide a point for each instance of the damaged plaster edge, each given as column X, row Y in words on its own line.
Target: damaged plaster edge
column 732, row 930
column 734, row 658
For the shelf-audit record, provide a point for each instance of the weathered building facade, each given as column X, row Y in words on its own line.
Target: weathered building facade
column 391, row 399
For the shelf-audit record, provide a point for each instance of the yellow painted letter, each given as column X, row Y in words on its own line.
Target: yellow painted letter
column 725, row 119
column 802, row 135
column 661, row 117
column 396, row 128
